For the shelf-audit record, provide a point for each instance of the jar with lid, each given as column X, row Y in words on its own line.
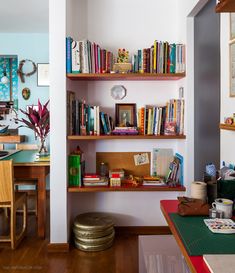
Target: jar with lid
column 103, row 169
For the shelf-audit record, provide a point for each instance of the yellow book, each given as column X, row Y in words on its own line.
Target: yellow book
column 155, row 56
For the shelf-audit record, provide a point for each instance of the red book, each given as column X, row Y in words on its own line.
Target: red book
column 91, row 175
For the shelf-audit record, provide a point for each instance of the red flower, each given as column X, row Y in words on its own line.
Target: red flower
column 38, row 120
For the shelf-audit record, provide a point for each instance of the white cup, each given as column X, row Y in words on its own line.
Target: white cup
column 224, row 205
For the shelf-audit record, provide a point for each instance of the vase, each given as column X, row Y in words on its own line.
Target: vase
column 42, row 147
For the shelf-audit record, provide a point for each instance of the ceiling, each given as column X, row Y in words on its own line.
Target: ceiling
column 24, row 16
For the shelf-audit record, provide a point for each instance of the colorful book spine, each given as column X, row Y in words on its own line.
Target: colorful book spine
column 68, row 55
column 76, row 66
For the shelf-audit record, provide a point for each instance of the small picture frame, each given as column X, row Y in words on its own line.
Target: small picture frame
column 26, row 93
column 125, row 114
column 232, row 68
column 232, row 25
column 43, row 74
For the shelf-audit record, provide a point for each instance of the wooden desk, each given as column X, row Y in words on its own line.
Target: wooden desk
column 195, row 263
column 25, row 166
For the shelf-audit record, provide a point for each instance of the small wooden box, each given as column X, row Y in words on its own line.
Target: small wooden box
column 122, row 67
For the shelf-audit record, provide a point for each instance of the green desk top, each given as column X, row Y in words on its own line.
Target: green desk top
column 26, row 158
column 198, row 239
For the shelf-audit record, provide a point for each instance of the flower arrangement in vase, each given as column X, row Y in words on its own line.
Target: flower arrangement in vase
column 38, row 120
column 122, row 65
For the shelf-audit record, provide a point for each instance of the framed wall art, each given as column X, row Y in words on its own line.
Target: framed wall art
column 125, row 114
column 43, row 74
column 232, row 68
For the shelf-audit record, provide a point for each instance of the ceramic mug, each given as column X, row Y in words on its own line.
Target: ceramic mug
column 224, row 205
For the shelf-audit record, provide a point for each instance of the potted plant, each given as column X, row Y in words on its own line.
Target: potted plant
column 38, row 120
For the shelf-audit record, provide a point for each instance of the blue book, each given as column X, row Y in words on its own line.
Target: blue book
column 103, row 122
column 68, row 55
column 172, row 58
column 139, row 57
column 181, row 168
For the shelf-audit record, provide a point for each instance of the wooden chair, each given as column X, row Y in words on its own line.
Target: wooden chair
column 11, row 200
column 1, row 147
column 27, row 182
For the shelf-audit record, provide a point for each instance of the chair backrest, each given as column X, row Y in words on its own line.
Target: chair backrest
column 26, row 146
column 6, row 181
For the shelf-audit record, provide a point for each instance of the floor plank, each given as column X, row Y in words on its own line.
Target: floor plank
column 32, row 256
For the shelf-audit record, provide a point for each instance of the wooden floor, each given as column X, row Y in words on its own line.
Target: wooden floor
column 32, row 256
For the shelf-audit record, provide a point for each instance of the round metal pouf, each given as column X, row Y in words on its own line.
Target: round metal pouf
column 93, row 231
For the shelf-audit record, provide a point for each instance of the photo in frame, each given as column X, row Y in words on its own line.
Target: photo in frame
column 232, row 25
column 43, row 74
column 232, row 68
column 125, row 114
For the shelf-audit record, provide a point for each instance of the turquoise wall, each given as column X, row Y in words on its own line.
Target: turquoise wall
column 33, row 46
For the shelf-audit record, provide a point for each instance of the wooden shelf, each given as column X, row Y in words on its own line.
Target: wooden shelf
column 126, row 77
column 225, row 6
column 12, row 139
column 125, row 137
column 125, row 188
column 227, row 127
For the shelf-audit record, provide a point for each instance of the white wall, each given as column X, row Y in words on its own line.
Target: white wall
column 58, row 171
column 227, row 103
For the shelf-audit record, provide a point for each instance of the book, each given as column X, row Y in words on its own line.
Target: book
column 91, row 175
column 42, row 158
column 68, row 55
column 74, row 170
column 76, row 68
column 153, row 183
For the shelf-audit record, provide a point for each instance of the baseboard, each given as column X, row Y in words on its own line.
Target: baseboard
column 125, row 230
column 58, row 247
column 143, row 230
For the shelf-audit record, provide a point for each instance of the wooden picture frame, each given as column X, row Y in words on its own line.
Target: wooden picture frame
column 232, row 25
column 43, row 74
column 232, row 68
column 125, row 114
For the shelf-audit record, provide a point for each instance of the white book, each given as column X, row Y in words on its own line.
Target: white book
column 85, row 57
column 76, row 65
column 159, row 120
column 98, row 119
column 156, row 121
column 95, row 121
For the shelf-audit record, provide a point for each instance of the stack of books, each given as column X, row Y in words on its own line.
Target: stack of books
column 84, row 119
column 161, row 57
column 116, row 176
column 162, row 120
column 125, row 131
column 93, row 179
column 86, row 57
column 153, row 181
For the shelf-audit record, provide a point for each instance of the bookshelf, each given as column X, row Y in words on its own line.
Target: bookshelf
column 126, row 77
column 107, row 137
column 127, row 188
column 227, row 127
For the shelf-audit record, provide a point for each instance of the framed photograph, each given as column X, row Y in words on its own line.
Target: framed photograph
column 125, row 114
column 232, row 68
column 232, row 25
column 43, row 74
